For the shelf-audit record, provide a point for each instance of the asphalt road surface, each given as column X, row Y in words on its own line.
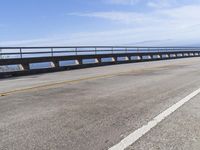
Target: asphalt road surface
column 96, row 108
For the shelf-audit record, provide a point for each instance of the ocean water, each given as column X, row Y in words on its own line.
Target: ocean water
column 66, row 63
column 9, row 68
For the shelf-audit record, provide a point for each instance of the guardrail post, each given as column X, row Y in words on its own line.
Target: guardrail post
column 76, row 50
column 114, row 59
column 79, row 62
column 138, row 50
column 95, row 50
column 139, row 57
column 127, row 58
column 24, row 66
column 1, row 54
column 51, row 52
column 55, row 64
column 20, row 53
column 97, row 60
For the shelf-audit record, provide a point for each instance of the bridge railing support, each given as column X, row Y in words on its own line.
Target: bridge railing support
column 55, row 64
column 25, row 56
column 24, row 66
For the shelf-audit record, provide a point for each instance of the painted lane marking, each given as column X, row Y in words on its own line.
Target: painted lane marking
column 56, row 84
column 136, row 135
column 52, row 85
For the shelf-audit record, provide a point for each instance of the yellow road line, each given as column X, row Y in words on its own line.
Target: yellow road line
column 56, row 84
column 52, row 85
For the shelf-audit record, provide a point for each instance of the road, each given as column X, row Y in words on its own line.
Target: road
column 96, row 108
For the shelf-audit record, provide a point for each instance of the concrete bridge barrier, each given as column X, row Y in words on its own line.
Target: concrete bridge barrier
column 96, row 56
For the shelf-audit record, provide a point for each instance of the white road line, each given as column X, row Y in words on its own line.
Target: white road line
column 133, row 137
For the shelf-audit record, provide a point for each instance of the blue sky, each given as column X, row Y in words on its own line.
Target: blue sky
column 99, row 22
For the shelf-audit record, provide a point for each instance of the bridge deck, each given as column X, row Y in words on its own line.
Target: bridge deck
column 95, row 108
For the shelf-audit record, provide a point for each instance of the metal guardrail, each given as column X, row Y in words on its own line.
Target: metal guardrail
column 32, row 52
column 84, row 56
